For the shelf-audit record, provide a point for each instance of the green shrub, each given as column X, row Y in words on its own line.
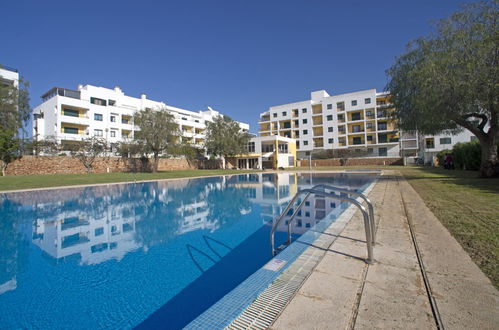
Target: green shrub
column 441, row 156
column 467, row 155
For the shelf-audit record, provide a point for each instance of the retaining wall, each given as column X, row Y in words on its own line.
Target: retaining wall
column 68, row 165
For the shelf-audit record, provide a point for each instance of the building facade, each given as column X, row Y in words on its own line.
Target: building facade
column 9, row 76
column 358, row 120
column 72, row 115
column 267, row 152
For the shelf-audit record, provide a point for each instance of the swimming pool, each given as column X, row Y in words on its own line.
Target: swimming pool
column 115, row 256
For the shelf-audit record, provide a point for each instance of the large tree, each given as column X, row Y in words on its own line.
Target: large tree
column 449, row 80
column 14, row 112
column 225, row 138
column 158, row 132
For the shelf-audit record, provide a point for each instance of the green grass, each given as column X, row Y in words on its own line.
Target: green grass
column 57, row 180
column 468, row 206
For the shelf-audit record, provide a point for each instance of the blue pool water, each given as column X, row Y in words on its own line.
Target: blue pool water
column 116, row 256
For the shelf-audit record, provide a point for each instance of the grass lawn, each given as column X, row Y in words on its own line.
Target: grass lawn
column 55, row 180
column 467, row 206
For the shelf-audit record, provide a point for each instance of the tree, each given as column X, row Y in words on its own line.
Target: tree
column 14, row 105
column 14, row 111
column 88, row 150
column 9, row 148
column 158, row 132
column 449, row 80
column 224, row 138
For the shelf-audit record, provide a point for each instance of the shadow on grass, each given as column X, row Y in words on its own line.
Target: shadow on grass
column 469, row 179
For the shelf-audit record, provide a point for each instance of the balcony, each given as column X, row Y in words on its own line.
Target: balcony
column 82, row 120
column 61, row 92
column 264, row 119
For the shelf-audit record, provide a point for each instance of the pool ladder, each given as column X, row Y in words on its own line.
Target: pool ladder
column 368, row 214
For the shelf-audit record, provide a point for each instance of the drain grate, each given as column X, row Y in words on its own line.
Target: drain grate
column 267, row 307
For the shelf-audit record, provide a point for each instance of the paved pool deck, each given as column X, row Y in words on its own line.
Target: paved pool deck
column 422, row 278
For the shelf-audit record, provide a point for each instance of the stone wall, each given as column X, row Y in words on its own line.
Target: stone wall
column 351, row 162
column 69, row 165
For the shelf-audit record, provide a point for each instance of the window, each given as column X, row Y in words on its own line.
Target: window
column 329, row 106
column 382, row 151
column 305, row 131
column 367, row 100
column 381, row 113
column 369, row 113
column 330, row 141
column 307, row 203
column 382, row 138
column 111, row 102
column 356, row 116
column 382, row 126
column 356, row 129
column 97, row 101
column 113, row 133
column 446, row 140
column 99, row 231
column 354, row 102
column 430, row 143
column 307, row 214
column 304, row 110
column 370, row 151
column 70, row 130
column 98, row 116
column 287, row 124
column 251, row 147
column 97, row 132
column 113, row 119
column 380, row 102
column 274, row 114
column 307, row 225
column 340, row 106
column 369, row 125
column 330, row 117
column 357, row 140
column 124, row 120
column 330, row 129
column 304, row 121
column 305, row 143
column 284, row 113
column 71, row 112
column 369, row 138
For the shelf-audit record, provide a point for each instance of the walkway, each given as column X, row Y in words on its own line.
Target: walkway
column 343, row 292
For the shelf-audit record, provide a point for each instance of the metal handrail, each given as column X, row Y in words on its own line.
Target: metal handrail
column 351, row 193
column 368, row 216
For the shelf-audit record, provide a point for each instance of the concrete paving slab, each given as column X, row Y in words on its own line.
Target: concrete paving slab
column 343, row 292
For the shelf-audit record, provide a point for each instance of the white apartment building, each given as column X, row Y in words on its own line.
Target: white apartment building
column 72, row 115
column 358, row 120
column 9, row 76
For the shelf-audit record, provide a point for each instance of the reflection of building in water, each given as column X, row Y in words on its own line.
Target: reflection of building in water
column 100, row 223
column 95, row 237
column 274, row 191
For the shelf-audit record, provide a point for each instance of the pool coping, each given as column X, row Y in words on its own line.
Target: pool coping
column 243, row 307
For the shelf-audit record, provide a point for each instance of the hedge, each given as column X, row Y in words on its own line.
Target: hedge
column 467, row 155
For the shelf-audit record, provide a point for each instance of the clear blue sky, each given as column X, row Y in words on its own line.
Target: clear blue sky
column 239, row 57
